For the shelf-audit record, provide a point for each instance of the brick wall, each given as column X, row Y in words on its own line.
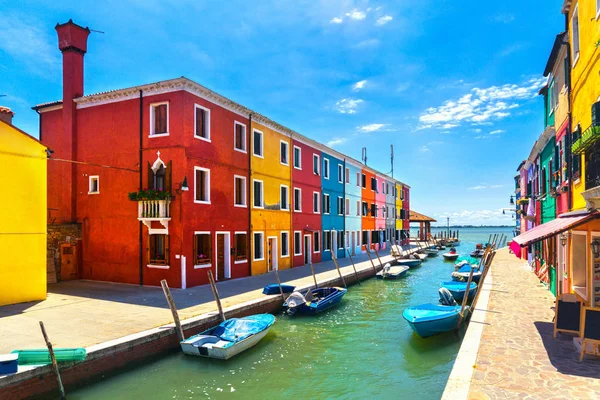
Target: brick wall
column 59, row 234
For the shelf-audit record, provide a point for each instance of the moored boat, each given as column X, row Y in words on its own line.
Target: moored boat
column 450, row 256
column 431, row 252
column 392, row 272
column 431, row 319
column 229, row 338
column 313, row 301
column 274, row 289
column 458, row 289
column 463, row 276
column 408, row 262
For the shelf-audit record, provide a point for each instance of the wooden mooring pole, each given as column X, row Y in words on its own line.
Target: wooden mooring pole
column 353, row 266
column 372, row 263
column 464, row 302
column 313, row 274
column 279, row 283
column 213, row 286
column 171, row 302
column 486, row 265
column 338, row 269
column 61, row 388
column 377, row 254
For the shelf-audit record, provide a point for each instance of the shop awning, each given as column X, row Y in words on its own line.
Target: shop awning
column 554, row 227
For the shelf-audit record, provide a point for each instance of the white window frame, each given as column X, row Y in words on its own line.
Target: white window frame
column 262, row 143
column 199, row 266
column 347, row 206
column 287, row 194
column 575, row 33
column 358, row 179
column 235, row 124
column 262, row 194
column 299, row 209
column 207, row 171
column 288, row 244
column 347, row 175
column 206, row 139
column 300, row 247
column 382, row 187
column 583, row 291
column 235, row 241
column 318, row 159
column 162, row 134
column 340, row 173
column 597, row 9
column 317, row 203
column 287, row 154
column 244, row 195
column 358, row 208
column 316, row 241
column 326, row 246
column 326, row 168
column 262, row 245
column 340, row 202
column 299, row 157
column 90, row 180
column 326, row 210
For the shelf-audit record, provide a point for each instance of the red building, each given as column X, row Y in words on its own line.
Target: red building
column 306, row 223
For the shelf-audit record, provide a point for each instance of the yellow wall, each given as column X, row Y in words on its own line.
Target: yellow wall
column 273, row 174
column 399, row 206
column 23, row 217
column 585, row 79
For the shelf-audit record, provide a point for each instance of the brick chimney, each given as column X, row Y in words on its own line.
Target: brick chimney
column 72, row 42
column 6, row 115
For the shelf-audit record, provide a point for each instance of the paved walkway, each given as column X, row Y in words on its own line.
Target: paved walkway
column 84, row 313
column 518, row 357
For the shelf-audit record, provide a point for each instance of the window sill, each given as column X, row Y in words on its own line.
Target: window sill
column 240, row 261
column 202, row 266
column 93, row 192
column 286, row 256
column 581, row 291
column 284, row 164
column 202, row 138
column 240, row 150
column 298, row 168
column 576, row 181
column 259, row 207
column 157, row 266
column 153, row 135
column 258, row 155
column 297, row 254
column 201, row 202
column 259, row 259
column 240, row 205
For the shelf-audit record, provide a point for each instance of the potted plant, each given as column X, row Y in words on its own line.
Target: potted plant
column 149, row 194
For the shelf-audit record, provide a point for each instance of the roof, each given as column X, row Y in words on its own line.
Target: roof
column 418, row 217
column 195, row 88
column 554, row 227
column 6, row 110
column 521, row 165
column 24, row 134
column 558, row 42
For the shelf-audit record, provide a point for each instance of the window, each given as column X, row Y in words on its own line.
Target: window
column 575, row 35
column 239, row 140
column 316, row 202
column 326, row 204
column 258, row 194
column 401, row 194
column 202, row 185
column 374, row 184
column 202, row 249
column 340, row 206
column 340, row 173
column 365, row 209
column 297, row 243
column 387, row 188
column 297, row 157
column 158, row 250
column 285, row 244
column 202, row 123
column 597, row 9
column 326, row 240
column 347, row 208
column 357, row 207
column 284, row 197
column 365, row 237
column 257, row 146
column 297, row 199
column 283, row 153
column 94, row 184
column 364, row 181
column 159, row 119
column 543, row 181
column 316, row 242
column 358, row 179
column 241, row 247
column 340, row 239
column 373, row 210
column 316, row 165
column 259, row 246
column 239, row 191
column 325, row 168
column 347, row 175
column 383, row 187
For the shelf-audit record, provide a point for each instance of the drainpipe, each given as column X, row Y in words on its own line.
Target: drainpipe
column 292, row 237
column 141, row 185
column 570, row 116
column 250, row 239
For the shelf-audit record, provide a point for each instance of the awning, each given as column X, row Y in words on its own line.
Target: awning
column 554, row 227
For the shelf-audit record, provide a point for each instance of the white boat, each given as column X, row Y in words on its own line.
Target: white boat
column 421, row 256
column 392, row 272
column 229, row 338
column 450, row 256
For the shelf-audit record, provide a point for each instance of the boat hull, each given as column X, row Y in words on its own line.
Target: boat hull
column 410, row 263
column 434, row 324
column 313, row 308
column 458, row 289
column 450, row 257
column 224, row 353
column 394, row 273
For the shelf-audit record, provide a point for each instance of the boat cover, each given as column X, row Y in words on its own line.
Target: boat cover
column 429, row 312
column 274, row 289
column 456, row 286
column 238, row 329
column 467, row 260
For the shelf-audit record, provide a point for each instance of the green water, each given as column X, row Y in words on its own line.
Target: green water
column 361, row 349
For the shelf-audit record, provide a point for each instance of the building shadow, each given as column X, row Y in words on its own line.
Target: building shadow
column 564, row 356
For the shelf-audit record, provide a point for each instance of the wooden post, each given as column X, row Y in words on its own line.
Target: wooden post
column 464, row 302
column 353, row 266
column 377, row 254
column 54, row 363
column 338, row 269
column 279, row 283
column 313, row 274
column 487, row 266
column 213, row 286
column 171, row 303
column 372, row 263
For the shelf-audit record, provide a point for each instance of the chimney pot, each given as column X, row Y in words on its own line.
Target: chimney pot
column 6, row 115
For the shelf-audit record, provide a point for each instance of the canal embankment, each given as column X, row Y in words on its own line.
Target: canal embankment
column 124, row 325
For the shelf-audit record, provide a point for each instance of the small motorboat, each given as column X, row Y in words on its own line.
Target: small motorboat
column 420, row 256
column 431, row 252
column 477, row 253
column 451, row 255
column 458, row 289
column 392, row 272
column 274, row 289
column 229, row 338
column 463, row 276
column 431, row 319
column 410, row 263
column 313, row 301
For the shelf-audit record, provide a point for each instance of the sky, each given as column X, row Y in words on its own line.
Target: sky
column 452, row 85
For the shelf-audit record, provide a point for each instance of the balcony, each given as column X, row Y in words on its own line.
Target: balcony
column 154, row 210
column 588, row 138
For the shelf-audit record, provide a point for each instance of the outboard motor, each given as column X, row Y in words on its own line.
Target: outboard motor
column 294, row 301
column 446, row 298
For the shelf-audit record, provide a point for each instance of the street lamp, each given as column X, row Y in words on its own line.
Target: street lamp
column 595, row 245
column 512, row 201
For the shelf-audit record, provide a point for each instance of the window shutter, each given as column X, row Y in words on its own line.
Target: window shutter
column 167, row 240
column 148, row 249
column 168, row 176
column 195, row 253
column 150, row 177
column 203, row 127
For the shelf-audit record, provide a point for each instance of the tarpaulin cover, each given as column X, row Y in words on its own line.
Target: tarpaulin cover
column 549, row 229
column 238, row 329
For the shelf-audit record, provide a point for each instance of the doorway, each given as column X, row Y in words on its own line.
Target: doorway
column 223, row 267
column 307, row 248
column 353, row 243
column 272, row 253
column 334, row 243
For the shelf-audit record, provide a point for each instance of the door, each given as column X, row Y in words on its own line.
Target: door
column 307, row 250
column 68, row 262
column 334, row 243
column 272, row 253
column 220, row 256
column 353, row 243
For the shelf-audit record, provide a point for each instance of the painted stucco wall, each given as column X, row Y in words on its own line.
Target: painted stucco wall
column 548, row 202
column 354, row 194
column 334, row 187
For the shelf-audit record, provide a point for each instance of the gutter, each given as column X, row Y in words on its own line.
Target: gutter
column 568, row 136
column 249, row 199
column 141, row 185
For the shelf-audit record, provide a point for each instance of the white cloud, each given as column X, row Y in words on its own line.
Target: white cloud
column 356, row 14
column 384, row 20
column 481, row 106
column 479, row 187
column 359, row 85
column 348, row 106
column 371, row 127
column 474, row 217
column 367, row 43
column 497, row 132
column 424, row 149
column 336, row 141
column 336, row 20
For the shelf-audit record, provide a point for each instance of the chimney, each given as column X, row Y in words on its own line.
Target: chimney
column 72, row 42
column 6, row 115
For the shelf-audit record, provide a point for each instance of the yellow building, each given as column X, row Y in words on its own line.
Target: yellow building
column 23, row 215
column 399, row 195
column 271, row 196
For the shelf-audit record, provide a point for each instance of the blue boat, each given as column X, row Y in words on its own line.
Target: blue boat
column 431, row 319
column 462, row 275
column 313, row 301
column 274, row 289
column 408, row 262
column 458, row 289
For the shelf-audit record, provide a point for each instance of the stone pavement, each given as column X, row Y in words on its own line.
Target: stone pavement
column 518, row 357
column 84, row 313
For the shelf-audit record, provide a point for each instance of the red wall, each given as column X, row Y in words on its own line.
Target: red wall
column 368, row 196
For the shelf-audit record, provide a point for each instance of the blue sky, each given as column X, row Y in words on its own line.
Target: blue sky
column 451, row 84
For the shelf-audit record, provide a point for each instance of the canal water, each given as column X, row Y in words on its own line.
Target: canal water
column 362, row 348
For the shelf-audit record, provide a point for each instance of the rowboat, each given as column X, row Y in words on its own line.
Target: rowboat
column 430, row 319
column 458, row 289
column 313, row 301
column 392, row 272
column 421, row 256
column 450, row 256
column 274, row 289
column 229, row 338
column 477, row 253
column 408, row 262
column 431, row 252
column 463, row 276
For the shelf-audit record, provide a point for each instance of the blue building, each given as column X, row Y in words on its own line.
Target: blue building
column 353, row 198
column 332, row 183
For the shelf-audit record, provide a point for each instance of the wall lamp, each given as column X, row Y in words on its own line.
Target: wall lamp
column 595, row 245
column 563, row 239
column 183, row 186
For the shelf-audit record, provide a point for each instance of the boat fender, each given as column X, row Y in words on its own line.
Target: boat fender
column 446, row 298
